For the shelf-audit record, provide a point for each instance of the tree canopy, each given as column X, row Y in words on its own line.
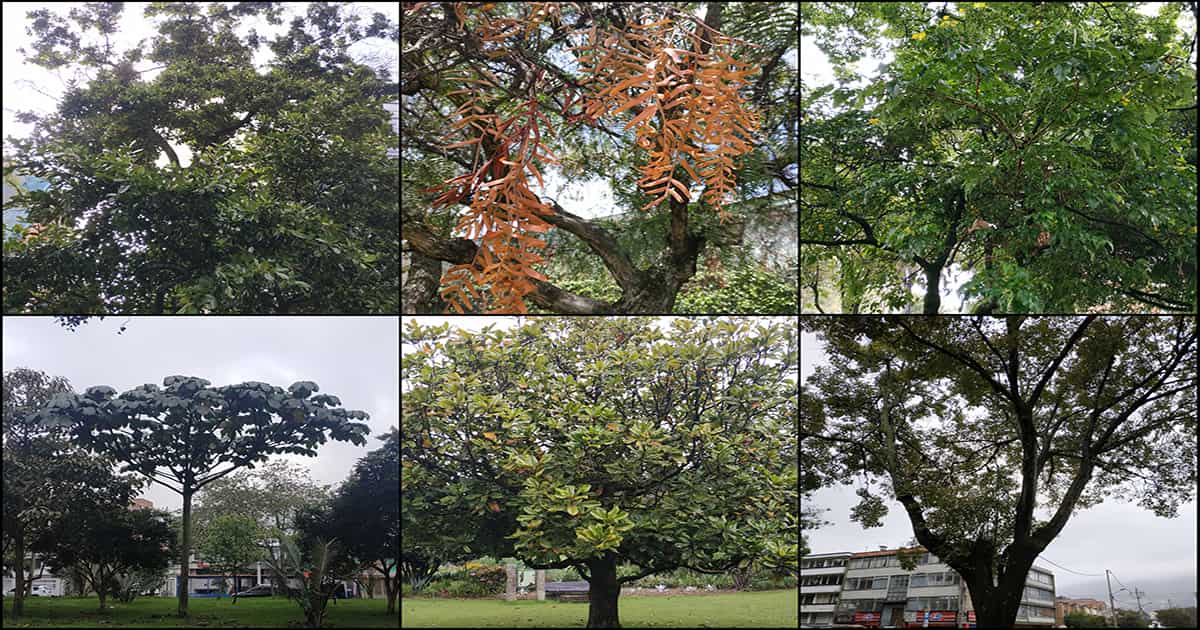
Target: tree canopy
column 585, row 443
column 681, row 114
column 289, row 203
column 1047, row 149
column 188, row 435
column 977, row 426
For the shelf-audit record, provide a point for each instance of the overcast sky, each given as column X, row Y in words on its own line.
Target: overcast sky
column 32, row 88
column 1153, row 554
column 353, row 358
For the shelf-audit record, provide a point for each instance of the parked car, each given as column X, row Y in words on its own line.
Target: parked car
column 262, row 590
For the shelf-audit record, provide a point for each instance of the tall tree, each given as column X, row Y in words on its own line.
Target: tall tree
column 584, row 442
column 364, row 516
column 941, row 412
column 231, row 543
column 1047, row 149
column 189, row 434
column 110, row 545
column 263, row 220
column 271, row 495
column 679, row 113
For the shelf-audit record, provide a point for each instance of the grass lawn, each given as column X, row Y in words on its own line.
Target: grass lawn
column 770, row 609
column 159, row 612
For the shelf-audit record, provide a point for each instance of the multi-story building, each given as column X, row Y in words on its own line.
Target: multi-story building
column 873, row 590
column 820, row 587
column 1064, row 606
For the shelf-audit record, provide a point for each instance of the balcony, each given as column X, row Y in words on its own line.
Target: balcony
column 817, row 608
column 823, row 571
column 823, row 588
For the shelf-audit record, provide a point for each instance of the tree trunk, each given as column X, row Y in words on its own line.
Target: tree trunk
column 603, row 592
column 995, row 606
column 392, row 588
column 184, row 551
column 933, row 296
column 18, row 607
column 420, row 293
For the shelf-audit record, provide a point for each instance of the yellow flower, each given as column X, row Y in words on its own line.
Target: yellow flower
column 872, row 121
column 1037, row 23
column 920, row 35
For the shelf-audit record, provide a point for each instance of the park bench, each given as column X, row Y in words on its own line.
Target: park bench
column 568, row 591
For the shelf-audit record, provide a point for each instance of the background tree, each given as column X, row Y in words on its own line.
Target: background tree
column 1131, row 619
column 364, row 516
column 230, row 544
column 1082, row 407
column 1048, row 149
column 182, row 436
column 318, row 569
column 263, row 219
column 272, row 495
column 588, row 442
column 44, row 476
column 1177, row 617
column 111, row 546
column 541, row 73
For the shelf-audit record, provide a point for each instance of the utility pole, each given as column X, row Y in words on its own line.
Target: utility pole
column 1112, row 607
column 1138, row 594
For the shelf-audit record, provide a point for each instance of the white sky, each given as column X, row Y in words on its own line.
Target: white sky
column 1154, row 554
column 353, row 358
column 21, row 79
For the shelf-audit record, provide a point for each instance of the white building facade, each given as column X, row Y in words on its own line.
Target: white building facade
column 821, row 578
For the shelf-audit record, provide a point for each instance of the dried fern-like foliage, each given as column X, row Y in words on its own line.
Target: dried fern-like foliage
column 688, row 110
column 680, row 88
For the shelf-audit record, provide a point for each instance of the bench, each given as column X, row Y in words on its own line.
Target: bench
column 568, row 591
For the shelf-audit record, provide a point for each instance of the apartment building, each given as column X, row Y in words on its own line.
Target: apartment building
column 875, row 591
column 1064, row 606
column 820, row 587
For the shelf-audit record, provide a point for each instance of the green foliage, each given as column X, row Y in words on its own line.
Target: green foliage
column 1064, row 126
column 607, row 443
column 1131, row 619
column 480, row 581
column 748, row 288
column 264, row 219
column 231, row 543
column 1177, row 617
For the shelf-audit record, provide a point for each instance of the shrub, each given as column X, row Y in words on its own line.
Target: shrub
column 473, row 580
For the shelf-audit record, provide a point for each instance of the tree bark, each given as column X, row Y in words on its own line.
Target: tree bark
column 933, row 296
column 420, row 296
column 603, row 592
column 185, row 548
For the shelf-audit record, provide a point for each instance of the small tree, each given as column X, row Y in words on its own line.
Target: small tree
column 180, row 436
column 111, row 547
column 317, row 572
column 231, row 543
column 1178, row 617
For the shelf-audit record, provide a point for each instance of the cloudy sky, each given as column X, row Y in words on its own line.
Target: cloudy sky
column 32, row 88
column 1152, row 554
column 353, row 358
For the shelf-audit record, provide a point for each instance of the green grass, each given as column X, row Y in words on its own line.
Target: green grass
column 160, row 612
column 771, row 609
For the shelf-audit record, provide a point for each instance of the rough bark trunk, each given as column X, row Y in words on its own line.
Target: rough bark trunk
column 995, row 606
column 603, row 591
column 185, row 551
column 420, row 293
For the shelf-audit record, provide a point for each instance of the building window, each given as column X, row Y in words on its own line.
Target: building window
column 807, row 599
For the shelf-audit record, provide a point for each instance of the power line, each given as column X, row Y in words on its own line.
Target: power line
column 1119, row 581
column 1070, row 571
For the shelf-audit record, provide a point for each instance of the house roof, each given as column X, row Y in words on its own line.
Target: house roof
column 884, row 552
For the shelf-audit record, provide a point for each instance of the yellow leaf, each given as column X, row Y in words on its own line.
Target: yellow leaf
column 919, row 36
column 613, row 427
column 426, row 443
column 493, row 506
column 489, row 435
